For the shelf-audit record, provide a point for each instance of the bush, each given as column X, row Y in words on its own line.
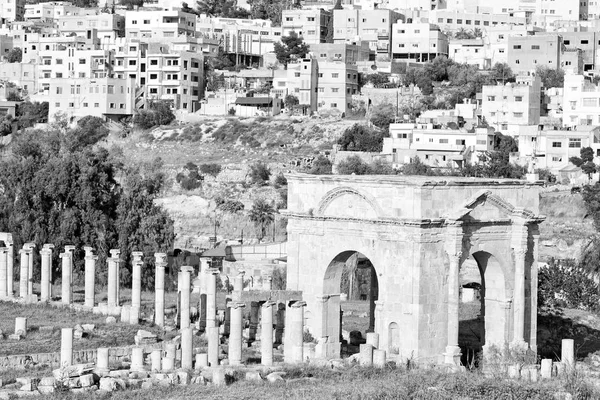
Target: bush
column 361, row 138
column 190, row 180
column 320, row 166
column 230, row 206
column 280, row 181
column 353, row 165
column 210, row 169
column 158, row 113
column 259, row 173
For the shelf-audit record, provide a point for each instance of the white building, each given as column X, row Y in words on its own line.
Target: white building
column 581, row 101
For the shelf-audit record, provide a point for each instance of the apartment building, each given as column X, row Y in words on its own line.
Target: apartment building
column 526, row 53
column 345, row 52
column 311, row 25
column 373, row 26
column 456, row 19
column 106, row 26
column 247, row 39
column 299, row 79
column 420, row 42
column 23, row 75
column 147, row 24
column 549, row 11
column 53, row 10
column 337, row 83
column 11, row 10
column 436, row 146
column 587, row 42
column 470, row 51
column 581, row 101
column 513, row 104
column 78, row 97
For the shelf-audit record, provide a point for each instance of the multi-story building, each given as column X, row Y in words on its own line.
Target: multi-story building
column 373, row 26
column 11, row 10
column 526, row 53
column 147, row 24
column 337, row 83
column 23, row 75
column 548, row 11
column 456, row 19
column 107, row 26
column 436, row 146
column 348, row 53
column 300, row 79
column 470, row 51
column 587, row 42
column 508, row 106
column 53, row 10
column 496, row 37
column 581, row 101
column 420, row 42
column 311, row 25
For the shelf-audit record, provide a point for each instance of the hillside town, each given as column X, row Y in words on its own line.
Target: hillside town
column 307, row 199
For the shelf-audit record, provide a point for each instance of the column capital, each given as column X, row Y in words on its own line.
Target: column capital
column 48, row 246
column 137, row 256
column 268, row 303
column 214, row 271
column 65, row 255
column 114, row 259
column 29, row 246
column 115, row 253
column 89, row 251
column 235, row 305
column 186, row 268
column 69, row 248
column 46, row 251
column 90, row 258
column 160, row 258
column 241, row 272
column 298, row 304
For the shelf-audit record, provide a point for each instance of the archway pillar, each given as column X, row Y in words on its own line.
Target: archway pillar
column 454, row 250
column 326, row 322
column 519, row 255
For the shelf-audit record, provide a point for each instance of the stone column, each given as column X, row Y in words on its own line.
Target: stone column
column 21, row 326
column 136, row 279
column 155, row 357
column 186, row 282
column 24, row 274
column 294, row 333
column 235, row 333
column 66, row 347
column 211, row 297
column 519, row 296
column 29, row 246
column 115, row 253
column 379, row 358
column 112, row 283
column 187, row 347
column 46, row 281
column 254, row 311
column 567, row 353
column 267, row 282
column 3, row 272
column 90, row 277
column 137, row 359
column 213, row 345
column 546, row 368
column 366, row 355
column 159, row 288
column 280, row 323
column 373, row 339
column 69, row 249
column 10, row 267
column 452, row 354
column 266, row 333
column 66, row 278
column 238, row 282
column 102, row 360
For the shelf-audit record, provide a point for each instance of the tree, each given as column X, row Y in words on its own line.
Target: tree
column 29, row 114
column 383, row 115
column 501, row 72
column 262, row 215
column 131, row 4
column 462, row 34
column 551, row 77
column 353, row 165
column 361, row 138
column 416, row 167
column 378, row 80
column 269, row 9
column 292, row 47
column 6, row 125
column 589, row 168
column 320, row 166
column 14, row 96
column 586, row 155
column 259, row 173
column 15, row 55
column 291, row 101
column 158, row 113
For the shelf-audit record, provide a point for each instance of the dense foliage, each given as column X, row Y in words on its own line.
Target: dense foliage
column 262, row 215
column 320, row 166
column 356, row 165
column 360, row 137
column 15, row 55
column 260, row 173
column 62, row 188
column 292, row 47
column 158, row 113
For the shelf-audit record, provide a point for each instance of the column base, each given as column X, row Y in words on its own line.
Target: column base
column 452, row 355
column 518, row 345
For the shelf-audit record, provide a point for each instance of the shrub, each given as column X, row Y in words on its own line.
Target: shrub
column 231, row 111
column 361, row 138
column 190, row 180
column 353, row 165
column 280, row 181
column 230, row 206
column 279, row 281
column 210, row 169
column 158, row 113
column 320, row 166
column 259, row 173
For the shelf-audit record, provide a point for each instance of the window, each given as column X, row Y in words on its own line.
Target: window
column 58, row 61
column 481, row 142
column 417, row 31
column 121, row 106
column 485, row 23
column 504, row 127
column 477, row 22
column 71, row 105
column 320, row 74
column 132, row 62
column 297, row 74
column 321, row 90
column 443, row 140
column 468, row 22
column 311, row 19
column 556, row 144
column 535, row 47
column 333, row 105
column 96, row 105
column 517, row 47
column 146, row 22
column 153, row 62
column 518, row 98
column 440, row 20
column 85, row 105
column 584, row 41
column 557, row 159
column 111, row 89
column 47, row 62
column 58, row 90
column 566, row 42
column 574, row 143
column 56, row 104
column 335, row 75
column 590, row 102
column 459, row 21
column 134, row 22
column 153, row 76
column 335, row 90
column 449, row 21
column 111, row 105
column 153, row 91
column 491, row 98
column 460, row 142
column 59, row 75
column 518, row 115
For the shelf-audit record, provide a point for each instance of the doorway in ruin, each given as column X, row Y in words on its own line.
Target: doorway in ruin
column 484, row 312
column 351, row 289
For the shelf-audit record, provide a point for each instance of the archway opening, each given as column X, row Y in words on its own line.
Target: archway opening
column 484, row 315
column 351, row 282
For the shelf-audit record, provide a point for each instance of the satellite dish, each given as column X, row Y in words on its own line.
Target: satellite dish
column 374, row 67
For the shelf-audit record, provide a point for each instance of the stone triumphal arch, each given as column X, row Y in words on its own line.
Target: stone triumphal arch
column 417, row 232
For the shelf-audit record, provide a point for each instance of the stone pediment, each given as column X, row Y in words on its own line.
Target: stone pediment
column 487, row 206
